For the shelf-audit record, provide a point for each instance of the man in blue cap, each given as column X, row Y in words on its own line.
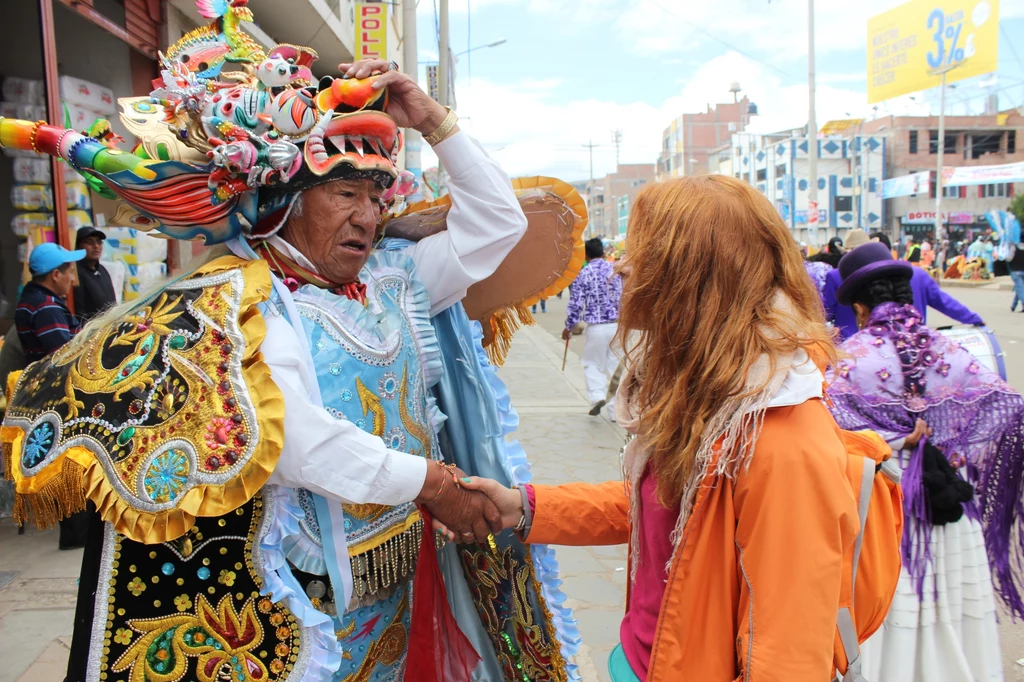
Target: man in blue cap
column 42, row 316
column 45, row 324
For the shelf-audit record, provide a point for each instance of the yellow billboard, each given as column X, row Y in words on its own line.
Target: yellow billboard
column 908, row 44
column 371, row 30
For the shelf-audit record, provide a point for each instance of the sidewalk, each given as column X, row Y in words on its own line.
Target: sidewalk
column 38, row 588
column 38, row 583
column 564, row 445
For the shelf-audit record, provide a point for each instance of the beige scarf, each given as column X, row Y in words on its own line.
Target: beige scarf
column 733, row 429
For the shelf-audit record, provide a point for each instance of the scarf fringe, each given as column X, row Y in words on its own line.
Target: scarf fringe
column 727, row 445
column 505, row 323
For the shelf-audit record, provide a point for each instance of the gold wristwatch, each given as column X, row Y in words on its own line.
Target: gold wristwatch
column 444, row 130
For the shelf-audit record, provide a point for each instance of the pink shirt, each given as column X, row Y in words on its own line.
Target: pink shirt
column 655, row 551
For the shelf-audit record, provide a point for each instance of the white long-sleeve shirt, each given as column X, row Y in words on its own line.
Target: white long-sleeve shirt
column 337, row 459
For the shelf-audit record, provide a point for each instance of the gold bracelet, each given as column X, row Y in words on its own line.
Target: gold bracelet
column 439, row 490
column 444, row 130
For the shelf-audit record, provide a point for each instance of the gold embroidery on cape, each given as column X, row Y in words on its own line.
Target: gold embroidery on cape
column 88, row 374
column 166, row 414
column 415, row 429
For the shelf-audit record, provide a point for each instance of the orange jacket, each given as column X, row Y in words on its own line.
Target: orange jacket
column 753, row 591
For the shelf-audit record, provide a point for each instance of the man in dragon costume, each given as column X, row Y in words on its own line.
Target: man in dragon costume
column 265, row 438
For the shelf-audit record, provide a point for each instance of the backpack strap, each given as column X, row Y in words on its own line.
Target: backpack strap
column 844, row 621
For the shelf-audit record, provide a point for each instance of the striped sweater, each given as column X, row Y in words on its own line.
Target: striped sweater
column 43, row 320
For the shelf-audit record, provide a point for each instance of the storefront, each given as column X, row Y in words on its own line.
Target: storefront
column 960, row 226
column 68, row 60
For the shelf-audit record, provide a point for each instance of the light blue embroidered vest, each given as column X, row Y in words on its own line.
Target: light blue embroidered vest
column 374, row 366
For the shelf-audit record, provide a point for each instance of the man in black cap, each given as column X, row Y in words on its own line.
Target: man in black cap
column 95, row 290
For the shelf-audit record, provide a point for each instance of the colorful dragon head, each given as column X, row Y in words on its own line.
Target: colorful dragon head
column 223, row 151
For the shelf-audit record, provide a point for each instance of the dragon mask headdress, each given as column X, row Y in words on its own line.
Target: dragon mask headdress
column 225, row 152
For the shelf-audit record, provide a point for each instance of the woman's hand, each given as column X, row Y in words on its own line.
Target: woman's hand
column 408, row 105
column 509, row 502
column 921, row 429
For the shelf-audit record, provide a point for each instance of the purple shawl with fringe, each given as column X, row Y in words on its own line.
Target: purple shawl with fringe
column 899, row 370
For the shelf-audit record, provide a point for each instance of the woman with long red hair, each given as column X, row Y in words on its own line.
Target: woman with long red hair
column 736, row 504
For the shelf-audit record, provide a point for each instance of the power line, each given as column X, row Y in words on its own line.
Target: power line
column 1009, row 44
column 709, row 34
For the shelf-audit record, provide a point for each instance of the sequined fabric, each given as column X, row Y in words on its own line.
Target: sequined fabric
column 191, row 609
column 164, row 414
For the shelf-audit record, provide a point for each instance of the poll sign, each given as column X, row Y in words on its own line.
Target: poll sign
column 908, row 43
column 371, row 30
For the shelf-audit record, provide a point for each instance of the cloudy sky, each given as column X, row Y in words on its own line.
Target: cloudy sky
column 573, row 71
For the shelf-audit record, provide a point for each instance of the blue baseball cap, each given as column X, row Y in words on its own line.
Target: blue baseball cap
column 48, row 257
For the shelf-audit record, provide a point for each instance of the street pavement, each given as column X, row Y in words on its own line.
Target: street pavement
column 37, row 582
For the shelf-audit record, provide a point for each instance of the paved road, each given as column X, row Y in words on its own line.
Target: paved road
column 994, row 308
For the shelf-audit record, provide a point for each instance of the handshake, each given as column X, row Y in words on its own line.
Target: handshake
column 468, row 509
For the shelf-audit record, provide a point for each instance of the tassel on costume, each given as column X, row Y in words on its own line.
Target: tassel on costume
column 504, row 324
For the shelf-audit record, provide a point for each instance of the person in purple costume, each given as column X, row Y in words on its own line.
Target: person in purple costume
column 927, row 294
column 957, row 431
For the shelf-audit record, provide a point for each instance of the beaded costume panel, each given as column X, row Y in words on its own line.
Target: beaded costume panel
column 163, row 414
column 191, row 609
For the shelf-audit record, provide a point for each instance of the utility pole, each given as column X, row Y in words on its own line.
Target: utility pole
column 444, row 62
column 940, row 232
column 856, row 149
column 617, row 141
column 413, row 139
column 590, row 194
column 812, row 135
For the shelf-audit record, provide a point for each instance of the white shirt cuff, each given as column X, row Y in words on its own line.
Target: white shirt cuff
column 408, row 474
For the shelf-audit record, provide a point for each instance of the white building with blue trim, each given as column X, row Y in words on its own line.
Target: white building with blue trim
column 850, row 174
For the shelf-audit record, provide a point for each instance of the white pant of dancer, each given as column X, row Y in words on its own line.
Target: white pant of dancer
column 600, row 359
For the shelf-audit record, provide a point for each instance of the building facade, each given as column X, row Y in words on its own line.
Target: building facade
column 912, row 143
column 850, row 174
column 688, row 141
column 609, row 198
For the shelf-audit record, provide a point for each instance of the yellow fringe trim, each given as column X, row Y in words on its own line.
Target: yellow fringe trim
column 378, row 540
column 505, row 323
column 63, row 496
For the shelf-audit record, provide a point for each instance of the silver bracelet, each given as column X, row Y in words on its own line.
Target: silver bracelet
column 526, row 522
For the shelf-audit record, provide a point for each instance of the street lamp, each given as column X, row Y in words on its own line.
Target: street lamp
column 500, row 41
column 469, row 68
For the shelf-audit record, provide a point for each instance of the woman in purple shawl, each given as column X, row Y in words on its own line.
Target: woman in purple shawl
column 952, row 425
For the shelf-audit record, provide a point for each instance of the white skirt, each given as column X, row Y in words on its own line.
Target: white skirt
column 950, row 635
